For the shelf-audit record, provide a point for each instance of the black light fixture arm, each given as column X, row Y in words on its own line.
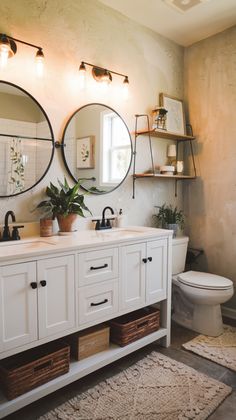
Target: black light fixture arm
column 21, row 42
column 103, row 68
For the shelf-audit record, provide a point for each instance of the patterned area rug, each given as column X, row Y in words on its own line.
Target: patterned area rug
column 221, row 350
column 155, row 388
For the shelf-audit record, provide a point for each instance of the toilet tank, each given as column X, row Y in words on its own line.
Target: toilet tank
column 179, row 252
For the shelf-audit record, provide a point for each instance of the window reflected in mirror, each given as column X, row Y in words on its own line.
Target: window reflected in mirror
column 97, row 148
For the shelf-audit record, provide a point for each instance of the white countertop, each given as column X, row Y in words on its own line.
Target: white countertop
column 39, row 246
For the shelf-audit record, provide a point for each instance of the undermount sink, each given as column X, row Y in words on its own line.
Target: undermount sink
column 34, row 244
column 124, row 231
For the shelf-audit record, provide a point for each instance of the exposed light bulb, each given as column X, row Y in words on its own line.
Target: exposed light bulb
column 5, row 48
column 39, row 58
column 82, row 75
column 126, row 88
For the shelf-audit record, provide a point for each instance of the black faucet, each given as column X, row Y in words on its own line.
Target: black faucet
column 104, row 223
column 6, row 236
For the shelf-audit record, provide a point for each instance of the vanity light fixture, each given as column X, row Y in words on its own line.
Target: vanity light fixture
column 102, row 75
column 8, row 49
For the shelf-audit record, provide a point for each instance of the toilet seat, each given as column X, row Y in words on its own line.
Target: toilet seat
column 202, row 280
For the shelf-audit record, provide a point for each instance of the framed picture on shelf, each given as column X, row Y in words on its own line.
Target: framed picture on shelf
column 175, row 120
column 85, row 152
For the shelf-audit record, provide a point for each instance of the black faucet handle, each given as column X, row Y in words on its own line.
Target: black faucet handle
column 98, row 224
column 15, row 233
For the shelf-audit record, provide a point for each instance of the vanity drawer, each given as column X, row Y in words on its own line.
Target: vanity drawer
column 98, row 266
column 97, row 302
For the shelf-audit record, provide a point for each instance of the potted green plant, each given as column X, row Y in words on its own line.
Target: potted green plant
column 169, row 217
column 64, row 203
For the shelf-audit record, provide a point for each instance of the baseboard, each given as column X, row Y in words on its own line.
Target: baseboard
column 228, row 312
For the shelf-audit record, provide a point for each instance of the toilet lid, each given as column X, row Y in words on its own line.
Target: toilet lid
column 204, row 280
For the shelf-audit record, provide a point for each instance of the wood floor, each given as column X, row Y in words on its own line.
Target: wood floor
column 226, row 411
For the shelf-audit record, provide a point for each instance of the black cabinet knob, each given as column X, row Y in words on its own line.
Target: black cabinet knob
column 34, row 285
column 150, row 259
column 145, row 260
column 43, row 283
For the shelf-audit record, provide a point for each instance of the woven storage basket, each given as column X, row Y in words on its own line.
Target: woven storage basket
column 135, row 325
column 27, row 370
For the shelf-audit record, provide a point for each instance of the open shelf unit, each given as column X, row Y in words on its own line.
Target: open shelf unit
column 165, row 135
column 77, row 371
column 162, row 134
column 150, row 175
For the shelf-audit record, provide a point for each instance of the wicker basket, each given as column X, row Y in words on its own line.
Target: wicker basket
column 27, row 370
column 135, row 325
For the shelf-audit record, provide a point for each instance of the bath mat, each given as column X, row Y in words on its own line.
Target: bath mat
column 221, row 350
column 155, row 388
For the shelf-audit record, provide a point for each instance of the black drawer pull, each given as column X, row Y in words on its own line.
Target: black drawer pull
column 43, row 283
column 99, row 303
column 34, row 285
column 150, row 259
column 145, row 260
column 99, row 267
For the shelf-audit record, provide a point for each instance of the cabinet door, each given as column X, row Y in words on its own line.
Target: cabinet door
column 56, row 295
column 132, row 293
column 156, row 274
column 18, row 305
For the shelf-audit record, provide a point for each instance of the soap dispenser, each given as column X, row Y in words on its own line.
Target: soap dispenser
column 120, row 219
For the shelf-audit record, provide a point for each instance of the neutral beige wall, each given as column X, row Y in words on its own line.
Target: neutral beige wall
column 210, row 77
column 70, row 31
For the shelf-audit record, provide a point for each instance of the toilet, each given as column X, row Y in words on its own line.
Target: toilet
column 197, row 296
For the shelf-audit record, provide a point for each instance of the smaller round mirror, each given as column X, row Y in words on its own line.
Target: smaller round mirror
column 97, row 148
column 26, row 141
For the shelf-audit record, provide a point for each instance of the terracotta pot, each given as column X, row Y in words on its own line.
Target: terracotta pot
column 66, row 222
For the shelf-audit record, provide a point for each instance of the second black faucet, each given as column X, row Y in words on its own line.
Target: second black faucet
column 104, row 223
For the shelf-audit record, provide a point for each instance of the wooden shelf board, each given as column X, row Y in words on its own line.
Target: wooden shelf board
column 77, row 371
column 165, row 135
column 163, row 176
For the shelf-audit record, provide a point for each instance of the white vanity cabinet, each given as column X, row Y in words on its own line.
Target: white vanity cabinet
column 56, row 295
column 144, row 274
column 37, row 300
column 98, row 285
column 133, row 273
column 156, row 271
column 67, row 284
column 18, row 305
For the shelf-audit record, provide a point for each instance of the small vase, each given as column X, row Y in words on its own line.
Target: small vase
column 66, row 223
column 174, row 227
column 46, row 227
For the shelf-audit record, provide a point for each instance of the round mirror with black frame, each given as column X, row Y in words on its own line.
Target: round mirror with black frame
column 97, row 148
column 26, row 141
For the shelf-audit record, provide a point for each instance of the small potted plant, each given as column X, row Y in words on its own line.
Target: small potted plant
column 169, row 218
column 64, row 203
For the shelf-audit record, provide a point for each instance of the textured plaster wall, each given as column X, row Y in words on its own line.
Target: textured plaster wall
column 210, row 202
column 70, row 31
